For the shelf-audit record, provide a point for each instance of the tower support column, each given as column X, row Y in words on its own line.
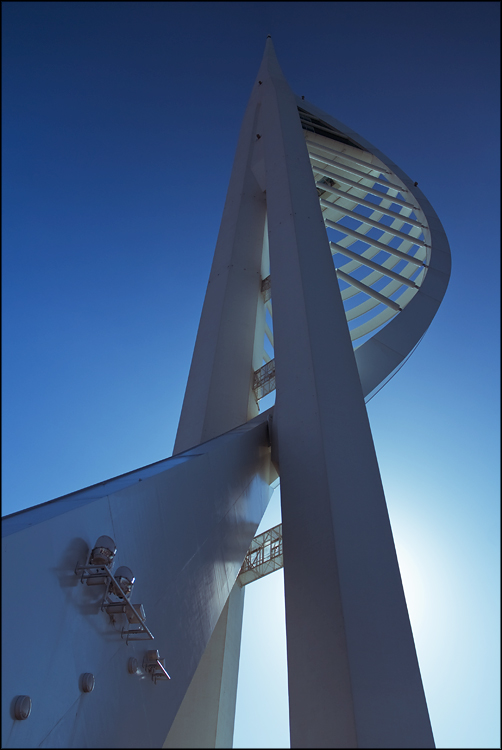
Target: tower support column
column 219, row 396
column 206, row 716
column 353, row 674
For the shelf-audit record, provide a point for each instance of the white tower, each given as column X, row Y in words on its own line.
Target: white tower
column 329, row 266
column 353, row 674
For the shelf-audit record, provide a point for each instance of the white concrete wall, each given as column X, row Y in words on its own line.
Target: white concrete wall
column 183, row 526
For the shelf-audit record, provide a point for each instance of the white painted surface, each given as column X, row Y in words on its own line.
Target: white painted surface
column 320, row 393
column 353, row 674
column 184, row 531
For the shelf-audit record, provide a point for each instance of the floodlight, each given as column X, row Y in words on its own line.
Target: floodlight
column 125, row 578
column 103, row 552
column 155, row 666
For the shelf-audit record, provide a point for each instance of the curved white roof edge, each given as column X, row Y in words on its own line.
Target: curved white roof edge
column 387, row 350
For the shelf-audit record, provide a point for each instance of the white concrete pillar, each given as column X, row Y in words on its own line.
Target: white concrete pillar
column 219, row 397
column 229, row 343
column 353, row 673
column 206, row 716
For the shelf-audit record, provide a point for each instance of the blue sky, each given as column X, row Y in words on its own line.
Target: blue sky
column 120, row 122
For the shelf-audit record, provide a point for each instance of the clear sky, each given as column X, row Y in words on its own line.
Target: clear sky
column 120, row 122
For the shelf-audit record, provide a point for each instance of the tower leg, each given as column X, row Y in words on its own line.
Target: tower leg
column 206, row 716
column 353, row 674
column 219, row 397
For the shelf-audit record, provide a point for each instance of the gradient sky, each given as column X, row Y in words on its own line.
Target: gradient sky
column 120, row 122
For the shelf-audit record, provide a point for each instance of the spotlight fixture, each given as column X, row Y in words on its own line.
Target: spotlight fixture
column 125, row 578
column 97, row 571
column 103, row 552
column 99, row 562
column 155, row 666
